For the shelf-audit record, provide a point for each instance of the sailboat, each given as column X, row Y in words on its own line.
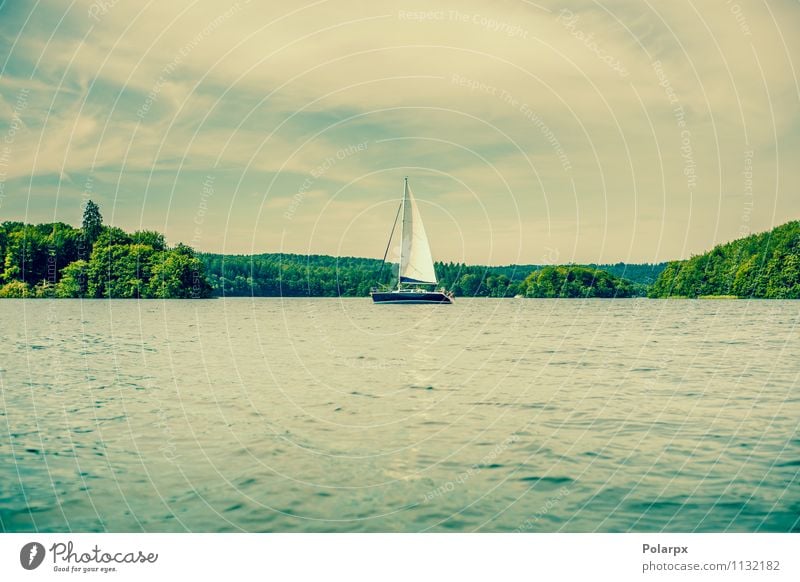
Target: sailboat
column 416, row 271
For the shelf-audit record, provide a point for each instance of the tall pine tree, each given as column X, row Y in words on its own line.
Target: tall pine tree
column 92, row 226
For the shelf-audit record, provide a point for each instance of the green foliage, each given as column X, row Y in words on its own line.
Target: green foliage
column 92, row 224
column 122, row 267
column 765, row 266
column 52, row 260
column 576, row 281
column 35, row 253
column 26, row 256
column 111, row 235
column 511, row 280
column 178, row 273
column 119, row 270
column 74, row 280
column 44, row 289
column 15, row 289
column 274, row 275
column 643, row 274
column 152, row 239
column 475, row 281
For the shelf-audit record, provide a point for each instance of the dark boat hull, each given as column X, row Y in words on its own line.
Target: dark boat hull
column 410, row 297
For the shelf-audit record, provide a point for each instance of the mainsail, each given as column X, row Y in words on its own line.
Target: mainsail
column 416, row 263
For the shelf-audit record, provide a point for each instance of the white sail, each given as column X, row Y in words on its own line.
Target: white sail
column 416, row 263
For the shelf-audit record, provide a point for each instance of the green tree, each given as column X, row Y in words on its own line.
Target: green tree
column 119, row 271
column 26, row 258
column 151, row 238
column 48, row 260
column 44, row 289
column 178, row 274
column 64, row 244
column 15, row 290
column 111, row 235
column 468, row 285
column 764, row 265
column 92, row 224
column 575, row 281
column 74, row 280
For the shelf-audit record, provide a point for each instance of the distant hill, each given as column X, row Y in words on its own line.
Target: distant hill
column 292, row 275
column 764, row 266
column 640, row 273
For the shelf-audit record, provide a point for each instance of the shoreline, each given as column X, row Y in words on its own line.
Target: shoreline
column 354, row 297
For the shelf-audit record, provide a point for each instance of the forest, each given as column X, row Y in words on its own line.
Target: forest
column 290, row 275
column 760, row 266
column 572, row 281
column 95, row 261
column 98, row 261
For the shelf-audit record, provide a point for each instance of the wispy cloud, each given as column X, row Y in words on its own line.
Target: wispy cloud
column 536, row 126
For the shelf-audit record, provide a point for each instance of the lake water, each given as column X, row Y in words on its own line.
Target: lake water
column 338, row 415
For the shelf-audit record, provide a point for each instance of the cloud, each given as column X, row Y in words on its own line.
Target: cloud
column 546, row 114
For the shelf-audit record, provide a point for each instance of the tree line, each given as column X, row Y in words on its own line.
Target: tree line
column 95, row 261
column 99, row 261
column 292, row 275
column 762, row 266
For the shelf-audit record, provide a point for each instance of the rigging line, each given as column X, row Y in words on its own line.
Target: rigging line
column 391, row 234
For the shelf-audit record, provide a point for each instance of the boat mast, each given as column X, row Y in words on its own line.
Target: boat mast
column 389, row 244
column 402, row 227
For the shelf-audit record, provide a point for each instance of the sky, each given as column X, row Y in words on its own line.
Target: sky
column 531, row 132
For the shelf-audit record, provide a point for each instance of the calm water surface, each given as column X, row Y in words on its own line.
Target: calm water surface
column 338, row 415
